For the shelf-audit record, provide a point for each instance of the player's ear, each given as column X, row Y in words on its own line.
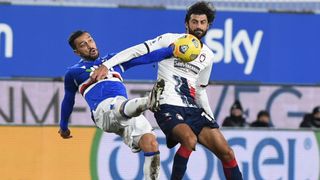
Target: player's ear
column 76, row 52
column 186, row 25
column 208, row 26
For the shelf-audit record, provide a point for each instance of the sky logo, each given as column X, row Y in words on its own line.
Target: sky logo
column 6, row 32
column 230, row 47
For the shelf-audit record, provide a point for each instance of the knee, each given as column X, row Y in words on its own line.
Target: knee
column 228, row 155
column 148, row 143
column 189, row 141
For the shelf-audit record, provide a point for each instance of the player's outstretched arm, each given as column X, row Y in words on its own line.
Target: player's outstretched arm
column 66, row 110
column 65, row 134
column 67, row 106
column 152, row 57
column 121, row 57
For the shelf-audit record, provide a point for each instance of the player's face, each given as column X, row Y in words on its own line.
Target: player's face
column 197, row 25
column 86, row 47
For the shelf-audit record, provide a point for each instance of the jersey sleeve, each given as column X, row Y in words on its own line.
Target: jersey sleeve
column 152, row 57
column 202, row 100
column 68, row 101
column 159, row 42
column 204, row 76
column 202, row 97
column 126, row 55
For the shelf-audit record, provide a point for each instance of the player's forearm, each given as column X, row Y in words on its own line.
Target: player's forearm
column 151, row 57
column 66, row 110
column 126, row 55
column 202, row 100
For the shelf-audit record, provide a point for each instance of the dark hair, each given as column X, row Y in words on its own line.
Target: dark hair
column 236, row 105
column 74, row 36
column 263, row 113
column 316, row 110
column 201, row 7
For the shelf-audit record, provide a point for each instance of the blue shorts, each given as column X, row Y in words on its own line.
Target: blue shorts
column 169, row 116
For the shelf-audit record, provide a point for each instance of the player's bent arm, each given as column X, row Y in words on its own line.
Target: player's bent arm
column 201, row 96
column 202, row 101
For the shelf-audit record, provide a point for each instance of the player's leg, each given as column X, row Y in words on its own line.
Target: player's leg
column 171, row 121
column 154, row 96
column 188, row 141
column 134, row 107
column 213, row 139
column 151, row 166
column 141, row 137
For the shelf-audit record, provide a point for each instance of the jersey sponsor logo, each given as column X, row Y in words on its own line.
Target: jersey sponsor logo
column 186, row 67
column 7, row 34
column 234, row 46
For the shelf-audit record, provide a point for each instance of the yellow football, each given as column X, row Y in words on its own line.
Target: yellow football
column 187, row 48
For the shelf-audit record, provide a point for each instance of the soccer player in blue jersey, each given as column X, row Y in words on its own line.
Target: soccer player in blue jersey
column 111, row 109
column 185, row 116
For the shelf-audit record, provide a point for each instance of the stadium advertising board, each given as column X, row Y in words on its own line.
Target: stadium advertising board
column 38, row 153
column 248, row 46
column 91, row 154
column 260, row 154
column 38, row 103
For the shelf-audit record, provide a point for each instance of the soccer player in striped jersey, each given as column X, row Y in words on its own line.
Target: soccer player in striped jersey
column 111, row 109
column 185, row 115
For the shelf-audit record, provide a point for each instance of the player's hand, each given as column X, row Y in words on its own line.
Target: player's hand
column 65, row 134
column 100, row 73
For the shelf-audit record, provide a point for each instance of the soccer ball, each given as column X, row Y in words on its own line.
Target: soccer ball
column 187, row 48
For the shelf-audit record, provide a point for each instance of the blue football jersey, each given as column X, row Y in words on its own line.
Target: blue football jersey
column 77, row 78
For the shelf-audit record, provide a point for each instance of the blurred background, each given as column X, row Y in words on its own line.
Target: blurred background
column 266, row 58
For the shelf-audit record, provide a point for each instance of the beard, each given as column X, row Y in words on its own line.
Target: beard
column 90, row 57
column 199, row 33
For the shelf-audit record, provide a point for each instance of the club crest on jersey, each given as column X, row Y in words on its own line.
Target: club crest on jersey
column 202, row 57
column 179, row 117
column 167, row 116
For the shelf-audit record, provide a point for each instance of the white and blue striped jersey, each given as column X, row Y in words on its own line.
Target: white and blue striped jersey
column 77, row 78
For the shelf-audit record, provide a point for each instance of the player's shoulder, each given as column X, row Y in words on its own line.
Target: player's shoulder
column 207, row 51
column 107, row 57
column 171, row 35
column 75, row 68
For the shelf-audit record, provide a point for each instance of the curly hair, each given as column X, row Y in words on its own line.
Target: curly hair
column 202, row 7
